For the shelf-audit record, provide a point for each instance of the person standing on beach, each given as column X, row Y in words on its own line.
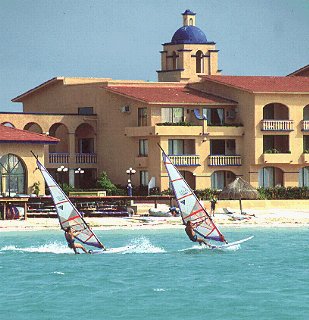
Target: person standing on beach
column 191, row 234
column 70, row 238
column 213, row 202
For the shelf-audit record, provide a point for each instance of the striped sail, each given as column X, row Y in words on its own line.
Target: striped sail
column 189, row 205
column 68, row 215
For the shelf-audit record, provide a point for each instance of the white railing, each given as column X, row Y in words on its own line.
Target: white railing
column 305, row 125
column 219, row 160
column 185, row 160
column 277, row 125
column 57, row 157
column 86, row 158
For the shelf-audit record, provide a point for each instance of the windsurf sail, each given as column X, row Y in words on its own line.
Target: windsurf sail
column 67, row 213
column 190, row 207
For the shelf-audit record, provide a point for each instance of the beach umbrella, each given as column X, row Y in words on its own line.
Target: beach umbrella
column 238, row 189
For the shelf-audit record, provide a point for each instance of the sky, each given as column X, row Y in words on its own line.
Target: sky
column 122, row 39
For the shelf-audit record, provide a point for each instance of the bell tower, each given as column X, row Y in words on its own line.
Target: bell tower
column 189, row 54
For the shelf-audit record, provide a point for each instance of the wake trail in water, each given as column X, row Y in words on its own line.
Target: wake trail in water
column 138, row 245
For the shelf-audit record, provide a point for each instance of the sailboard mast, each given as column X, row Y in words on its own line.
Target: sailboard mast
column 67, row 213
column 189, row 205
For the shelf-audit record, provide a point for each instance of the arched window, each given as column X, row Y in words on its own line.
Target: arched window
column 175, row 61
column 270, row 177
column 199, row 62
column 33, row 127
column 303, row 177
column 8, row 124
column 12, row 175
column 220, row 179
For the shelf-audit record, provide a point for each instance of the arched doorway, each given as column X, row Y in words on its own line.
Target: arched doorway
column 270, row 177
column 220, row 179
column 85, row 139
column 13, row 175
column 275, row 111
column 60, row 131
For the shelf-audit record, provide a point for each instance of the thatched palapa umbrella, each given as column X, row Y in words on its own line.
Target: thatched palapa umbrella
column 239, row 189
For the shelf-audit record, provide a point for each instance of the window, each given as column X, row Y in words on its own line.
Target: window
column 280, row 143
column 270, row 177
column 85, row 110
column 142, row 117
column 12, row 175
column 215, row 117
column 143, row 147
column 86, row 145
column 199, row 62
column 175, row 61
column 220, row 179
column 172, row 115
column 175, row 147
column 144, row 178
column 306, row 144
column 303, row 177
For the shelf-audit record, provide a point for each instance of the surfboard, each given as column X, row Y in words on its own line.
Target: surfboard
column 230, row 244
column 111, row 250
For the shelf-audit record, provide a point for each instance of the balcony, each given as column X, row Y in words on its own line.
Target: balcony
column 277, row 158
column 78, row 158
column 277, row 125
column 60, row 158
column 85, row 158
column 185, row 160
column 305, row 125
column 223, row 160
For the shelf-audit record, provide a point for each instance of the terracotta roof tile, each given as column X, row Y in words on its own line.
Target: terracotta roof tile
column 168, row 95
column 264, row 83
column 8, row 134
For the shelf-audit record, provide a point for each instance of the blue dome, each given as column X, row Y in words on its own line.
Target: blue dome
column 189, row 35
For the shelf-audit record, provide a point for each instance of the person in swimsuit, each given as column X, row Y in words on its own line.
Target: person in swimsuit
column 70, row 238
column 213, row 203
column 192, row 236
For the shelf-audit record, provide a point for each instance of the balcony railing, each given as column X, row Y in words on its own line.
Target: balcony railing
column 58, row 157
column 305, row 125
column 62, row 158
column 277, row 125
column 185, row 160
column 222, row 160
column 86, row 158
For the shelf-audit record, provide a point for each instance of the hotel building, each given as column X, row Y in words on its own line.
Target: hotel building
column 214, row 127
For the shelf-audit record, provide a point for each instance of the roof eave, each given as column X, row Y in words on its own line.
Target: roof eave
column 44, row 84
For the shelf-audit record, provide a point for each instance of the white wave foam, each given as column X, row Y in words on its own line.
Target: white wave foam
column 53, row 247
column 143, row 245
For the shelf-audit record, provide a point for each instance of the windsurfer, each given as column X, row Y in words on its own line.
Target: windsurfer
column 70, row 238
column 192, row 236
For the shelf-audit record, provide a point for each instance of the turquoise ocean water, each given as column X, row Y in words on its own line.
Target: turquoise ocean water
column 163, row 276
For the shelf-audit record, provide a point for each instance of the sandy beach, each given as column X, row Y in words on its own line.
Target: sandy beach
column 262, row 218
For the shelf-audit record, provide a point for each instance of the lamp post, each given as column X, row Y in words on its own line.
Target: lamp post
column 130, row 172
column 79, row 171
column 61, row 170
